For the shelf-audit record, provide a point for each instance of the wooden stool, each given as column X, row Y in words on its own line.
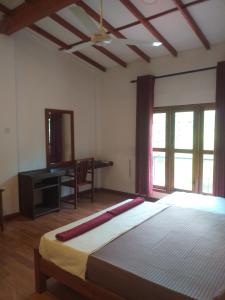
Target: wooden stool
column 1, row 211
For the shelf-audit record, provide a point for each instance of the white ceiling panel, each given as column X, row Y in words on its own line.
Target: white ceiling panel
column 11, row 4
column 58, row 31
column 177, row 32
column 152, row 7
column 210, row 16
column 99, row 57
column 123, row 52
column 139, row 33
column 69, row 17
column 114, row 12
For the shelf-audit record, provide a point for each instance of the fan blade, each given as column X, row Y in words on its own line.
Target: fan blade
column 79, row 47
column 85, row 20
column 130, row 42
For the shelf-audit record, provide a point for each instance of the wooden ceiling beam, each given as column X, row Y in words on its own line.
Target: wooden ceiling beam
column 56, row 41
column 133, row 9
column 85, row 38
column 31, row 12
column 4, row 9
column 194, row 26
column 111, row 29
column 152, row 17
column 161, row 14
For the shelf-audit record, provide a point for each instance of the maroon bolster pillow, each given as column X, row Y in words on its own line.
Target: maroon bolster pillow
column 124, row 207
column 82, row 228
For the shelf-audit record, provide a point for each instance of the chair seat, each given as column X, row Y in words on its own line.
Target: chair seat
column 84, row 183
column 71, row 183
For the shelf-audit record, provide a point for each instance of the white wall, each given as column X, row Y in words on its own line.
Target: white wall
column 118, row 105
column 8, row 126
column 34, row 75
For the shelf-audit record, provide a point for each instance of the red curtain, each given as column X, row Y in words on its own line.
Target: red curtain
column 144, row 117
column 219, row 164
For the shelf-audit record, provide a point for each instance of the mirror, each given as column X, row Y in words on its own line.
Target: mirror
column 59, row 127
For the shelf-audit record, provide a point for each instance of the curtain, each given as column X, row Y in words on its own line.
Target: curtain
column 144, row 117
column 219, row 164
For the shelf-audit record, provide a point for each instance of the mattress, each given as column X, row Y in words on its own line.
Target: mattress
column 196, row 201
column 177, row 254
column 72, row 255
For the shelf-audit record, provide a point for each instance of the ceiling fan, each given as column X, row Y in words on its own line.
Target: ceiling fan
column 98, row 34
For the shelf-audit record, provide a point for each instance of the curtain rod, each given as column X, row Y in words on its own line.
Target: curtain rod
column 180, row 73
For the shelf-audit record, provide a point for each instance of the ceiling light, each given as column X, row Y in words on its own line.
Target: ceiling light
column 107, row 41
column 156, row 44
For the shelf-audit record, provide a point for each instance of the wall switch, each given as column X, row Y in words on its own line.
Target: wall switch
column 7, row 130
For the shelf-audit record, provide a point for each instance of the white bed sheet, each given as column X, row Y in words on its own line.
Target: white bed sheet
column 197, row 201
column 72, row 255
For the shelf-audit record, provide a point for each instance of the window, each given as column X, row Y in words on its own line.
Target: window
column 183, row 148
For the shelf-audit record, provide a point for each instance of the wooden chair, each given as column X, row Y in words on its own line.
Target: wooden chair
column 82, row 174
column 83, row 168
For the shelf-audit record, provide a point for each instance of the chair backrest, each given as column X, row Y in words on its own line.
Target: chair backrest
column 82, row 168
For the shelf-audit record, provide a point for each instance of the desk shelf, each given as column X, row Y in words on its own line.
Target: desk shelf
column 39, row 193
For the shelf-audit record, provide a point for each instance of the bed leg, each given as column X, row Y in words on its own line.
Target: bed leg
column 40, row 278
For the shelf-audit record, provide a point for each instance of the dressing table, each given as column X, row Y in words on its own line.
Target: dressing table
column 40, row 190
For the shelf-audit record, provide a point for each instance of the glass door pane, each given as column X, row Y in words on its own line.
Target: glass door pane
column 184, row 122
column 207, row 174
column 183, row 171
column 209, row 129
column 159, row 130
column 159, row 168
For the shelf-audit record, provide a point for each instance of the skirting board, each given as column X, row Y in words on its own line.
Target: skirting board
column 66, row 198
column 11, row 216
column 131, row 195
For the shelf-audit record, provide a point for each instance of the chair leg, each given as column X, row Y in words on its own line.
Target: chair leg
column 92, row 192
column 76, row 196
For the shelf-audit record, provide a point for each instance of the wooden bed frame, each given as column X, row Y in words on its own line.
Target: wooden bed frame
column 45, row 269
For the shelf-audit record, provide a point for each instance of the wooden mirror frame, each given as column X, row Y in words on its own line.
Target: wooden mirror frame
column 62, row 163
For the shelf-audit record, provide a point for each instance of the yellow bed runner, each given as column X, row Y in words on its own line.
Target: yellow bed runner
column 72, row 255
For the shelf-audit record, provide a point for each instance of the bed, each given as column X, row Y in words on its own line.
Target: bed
column 155, row 251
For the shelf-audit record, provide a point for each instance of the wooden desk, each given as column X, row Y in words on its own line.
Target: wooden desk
column 39, row 190
column 1, row 211
column 102, row 164
column 98, row 164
